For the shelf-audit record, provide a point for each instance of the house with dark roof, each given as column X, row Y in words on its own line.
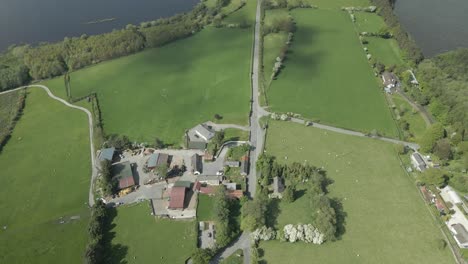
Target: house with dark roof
column 106, row 154
column 197, row 165
column 199, row 136
column 123, row 172
column 460, row 234
column 418, row 161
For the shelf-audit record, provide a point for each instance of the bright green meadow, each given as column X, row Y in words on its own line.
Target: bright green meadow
column 386, row 221
column 45, row 176
column 326, row 76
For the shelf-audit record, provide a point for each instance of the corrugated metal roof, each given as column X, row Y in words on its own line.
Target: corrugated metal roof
column 153, row 160
column 106, row 154
column 177, row 198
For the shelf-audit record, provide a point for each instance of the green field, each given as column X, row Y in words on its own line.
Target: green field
column 417, row 125
column 45, row 173
column 385, row 51
column 326, row 76
column 205, row 208
column 369, row 22
column 164, row 91
column 141, row 238
column 386, row 220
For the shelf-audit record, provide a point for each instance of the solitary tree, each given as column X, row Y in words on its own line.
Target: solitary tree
column 162, row 171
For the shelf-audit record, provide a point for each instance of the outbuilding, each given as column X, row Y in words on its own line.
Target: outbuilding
column 124, row 174
column 177, row 198
column 197, row 165
column 106, row 154
column 418, row 161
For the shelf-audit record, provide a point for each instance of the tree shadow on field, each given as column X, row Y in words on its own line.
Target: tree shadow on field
column 115, row 253
column 341, row 215
column 273, row 212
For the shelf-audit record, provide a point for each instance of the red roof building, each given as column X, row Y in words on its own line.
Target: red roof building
column 126, row 182
column 235, row 194
column 177, row 198
column 207, row 190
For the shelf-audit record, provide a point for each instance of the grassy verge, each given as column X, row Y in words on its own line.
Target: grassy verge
column 205, row 208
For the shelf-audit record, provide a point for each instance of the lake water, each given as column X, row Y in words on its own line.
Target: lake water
column 436, row 25
column 33, row 21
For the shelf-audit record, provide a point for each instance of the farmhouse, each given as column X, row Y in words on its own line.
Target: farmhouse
column 389, row 81
column 124, row 174
column 418, row 162
column 198, row 137
column 106, row 154
column 460, row 234
column 197, row 164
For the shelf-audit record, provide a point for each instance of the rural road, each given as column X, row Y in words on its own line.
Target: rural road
column 257, row 134
column 91, row 130
column 413, row 146
column 243, row 242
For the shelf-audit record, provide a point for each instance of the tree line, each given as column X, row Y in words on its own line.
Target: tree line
column 21, row 64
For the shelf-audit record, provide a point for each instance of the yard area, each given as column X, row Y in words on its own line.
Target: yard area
column 45, row 170
column 417, row 125
column 326, row 76
column 386, row 221
column 162, row 92
column 141, row 238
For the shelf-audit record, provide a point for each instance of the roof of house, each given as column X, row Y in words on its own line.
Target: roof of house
column 418, row 158
column 196, row 144
column 388, row 78
column 197, row 186
column 203, row 131
column 153, row 160
column 460, row 233
column 278, row 186
column 185, row 184
column 196, row 162
column 106, row 154
column 124, row 174
column 177, row 198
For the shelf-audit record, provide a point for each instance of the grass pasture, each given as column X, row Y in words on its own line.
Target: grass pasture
column 385, row 51
column 326, row 76
column 417, row 125
column 141, row 238
column 8, row 111
column 385, row 219
column 164, row 91
column 205, row 208
column 45, row 173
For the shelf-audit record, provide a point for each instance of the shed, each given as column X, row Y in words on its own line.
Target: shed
column 177, row 198
column 244, row 170
column 209, row 179
column 278, row 186
column 235, row 193
column 232, row 163
column 196, row 164
column 106, row 154
column 153, row 161
column 230, row 186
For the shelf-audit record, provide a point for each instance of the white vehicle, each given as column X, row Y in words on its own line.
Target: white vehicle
column 220, row 173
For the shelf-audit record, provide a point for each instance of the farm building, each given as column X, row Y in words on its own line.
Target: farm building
column 106, row 154
column 245, row 165
column 418, row 162
column 232, row 163
column 177, row 198
column 460, row 234
column 123, row 172
column 389, row 81
column 197, row 165
column 157, row 159
column 198, row 137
